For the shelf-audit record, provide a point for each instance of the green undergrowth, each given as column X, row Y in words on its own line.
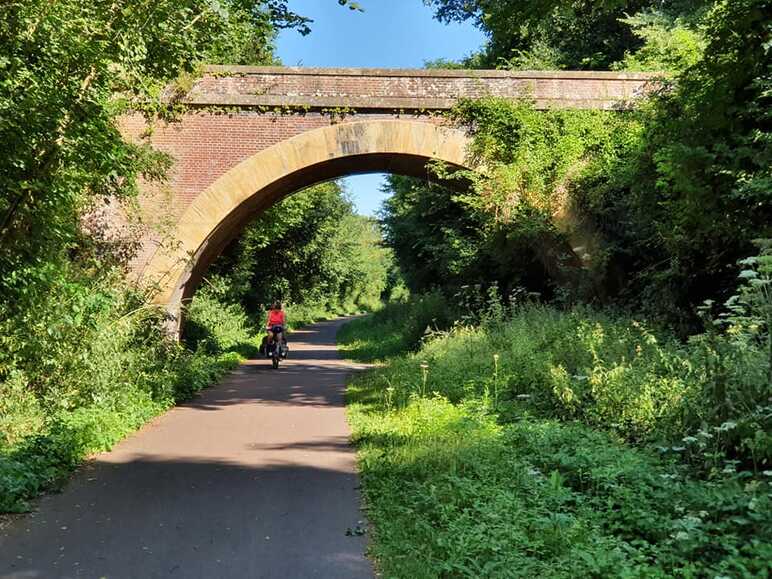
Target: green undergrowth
column 72, row 386
column 558, row 443
column 42, row 462
column 97, row 377
column 393, row 329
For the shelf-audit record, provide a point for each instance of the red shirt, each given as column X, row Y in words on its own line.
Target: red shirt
column 275, row 318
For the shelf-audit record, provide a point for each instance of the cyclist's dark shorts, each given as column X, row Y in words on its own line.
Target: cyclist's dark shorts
column 277, row 329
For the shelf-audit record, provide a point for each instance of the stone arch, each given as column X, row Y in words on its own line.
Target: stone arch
column 221, row 211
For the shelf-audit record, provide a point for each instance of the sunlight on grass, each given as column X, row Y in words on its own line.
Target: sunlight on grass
column 475, row 466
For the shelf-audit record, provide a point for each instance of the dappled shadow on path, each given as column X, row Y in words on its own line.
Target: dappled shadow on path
column 311, row 375
column 256, row 381
column 334, row 444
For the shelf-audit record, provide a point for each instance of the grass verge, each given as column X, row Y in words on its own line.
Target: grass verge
column 475, row 466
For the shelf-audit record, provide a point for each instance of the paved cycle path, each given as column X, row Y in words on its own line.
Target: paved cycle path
column 253, row 479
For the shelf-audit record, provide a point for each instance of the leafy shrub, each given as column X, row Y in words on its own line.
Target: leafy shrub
column 605, row 369
column 217, row 326
column 659, row 201
column 20, row 411
column 397, row 327
column 451, row 492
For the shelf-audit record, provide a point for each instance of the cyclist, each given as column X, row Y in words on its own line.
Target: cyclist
column 275, row 325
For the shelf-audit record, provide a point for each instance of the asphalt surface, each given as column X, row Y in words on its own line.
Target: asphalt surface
column 254, row 478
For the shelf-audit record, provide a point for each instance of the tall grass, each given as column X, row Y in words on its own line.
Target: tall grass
column 558, row 443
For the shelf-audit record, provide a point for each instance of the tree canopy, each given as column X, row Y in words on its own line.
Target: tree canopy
column 575, row 34
column 312, row 249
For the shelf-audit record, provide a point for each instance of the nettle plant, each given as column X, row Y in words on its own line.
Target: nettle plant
column 737, row 380
column 749, row 312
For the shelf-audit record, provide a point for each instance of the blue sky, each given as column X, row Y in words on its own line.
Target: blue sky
column 388, row 34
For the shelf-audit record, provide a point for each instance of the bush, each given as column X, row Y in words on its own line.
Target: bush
column 396, row 328
column 608, row 370
column 217, row 327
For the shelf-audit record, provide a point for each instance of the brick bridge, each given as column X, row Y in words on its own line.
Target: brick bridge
column 249, row 136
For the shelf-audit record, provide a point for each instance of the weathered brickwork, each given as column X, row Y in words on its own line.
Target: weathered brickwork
column 206, row 145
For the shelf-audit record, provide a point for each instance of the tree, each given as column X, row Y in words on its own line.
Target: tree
column 443, row 239
column 678, row 189
column 68, row 69
column 554, row 34
column 696, row 192
column 311, row 248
